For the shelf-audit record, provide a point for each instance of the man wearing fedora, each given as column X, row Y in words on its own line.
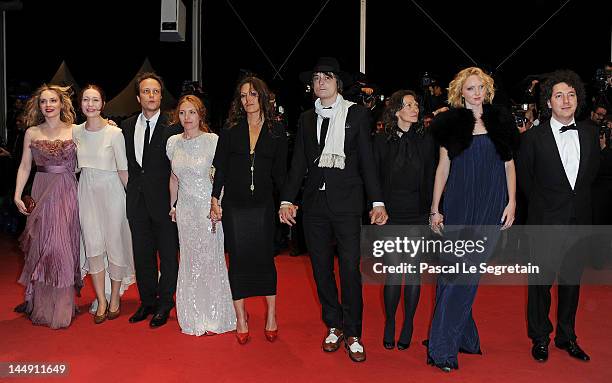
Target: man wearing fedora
column 333, row 151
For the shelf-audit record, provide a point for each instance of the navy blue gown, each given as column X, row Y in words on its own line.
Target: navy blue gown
column 476, row 194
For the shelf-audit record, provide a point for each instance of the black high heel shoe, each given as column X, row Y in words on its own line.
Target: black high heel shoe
column 445, row 367
column 404, row 340
column 389, row 334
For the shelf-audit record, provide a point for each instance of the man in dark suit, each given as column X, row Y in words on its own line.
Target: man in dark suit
column 557, row 165
column 148, row 203
column 333, row 150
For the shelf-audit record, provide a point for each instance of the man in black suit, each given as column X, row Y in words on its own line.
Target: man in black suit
column 557, row 165
column 148, row 203
column 333, row 150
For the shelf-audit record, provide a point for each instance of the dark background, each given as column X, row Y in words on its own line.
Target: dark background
column 105, row 42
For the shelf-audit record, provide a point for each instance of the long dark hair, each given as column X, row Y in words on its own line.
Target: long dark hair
column 237, row 113
column 396, row 103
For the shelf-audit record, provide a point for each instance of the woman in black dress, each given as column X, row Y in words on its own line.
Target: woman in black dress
column 406, row 159
column 250, row 161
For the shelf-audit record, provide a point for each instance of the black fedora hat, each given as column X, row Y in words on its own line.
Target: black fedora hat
column 327, row 64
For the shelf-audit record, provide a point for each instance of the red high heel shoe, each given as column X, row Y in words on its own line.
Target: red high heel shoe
column 271, row 335
column 243, row 337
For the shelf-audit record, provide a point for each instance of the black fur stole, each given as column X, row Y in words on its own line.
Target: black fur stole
column 453, row 130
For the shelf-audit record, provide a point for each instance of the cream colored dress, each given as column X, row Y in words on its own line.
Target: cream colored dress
column 106, row 236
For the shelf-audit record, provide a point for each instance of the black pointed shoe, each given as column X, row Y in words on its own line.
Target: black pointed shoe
column 142, row 313
column 573, row 350
column 159, row 319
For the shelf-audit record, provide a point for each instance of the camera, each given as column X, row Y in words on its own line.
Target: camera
column 193, row 88
column 606, row 133
column 427, row 80
column 601, row 80
column 518, row 111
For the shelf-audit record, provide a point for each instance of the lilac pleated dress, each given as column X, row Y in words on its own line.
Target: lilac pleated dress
column 50, row 240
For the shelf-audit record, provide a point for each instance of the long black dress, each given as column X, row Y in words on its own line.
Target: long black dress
column 406, row 163
column 248, row 204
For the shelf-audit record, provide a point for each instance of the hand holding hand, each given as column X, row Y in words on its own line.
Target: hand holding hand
column 216, row 213
column 436, row 222
column 287, row 214
column 378, row 215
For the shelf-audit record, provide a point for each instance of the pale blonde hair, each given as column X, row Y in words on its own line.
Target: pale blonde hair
column 455, row 98
column 32, row 112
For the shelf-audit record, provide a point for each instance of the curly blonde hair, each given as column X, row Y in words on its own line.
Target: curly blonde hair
column 32, row 112
column 455, row 98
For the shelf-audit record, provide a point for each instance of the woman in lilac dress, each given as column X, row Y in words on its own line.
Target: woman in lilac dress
column 50, row 240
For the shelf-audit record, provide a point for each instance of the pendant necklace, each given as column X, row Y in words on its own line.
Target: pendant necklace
column 252, row 157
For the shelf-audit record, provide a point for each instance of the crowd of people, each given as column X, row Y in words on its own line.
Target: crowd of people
column 159, row 186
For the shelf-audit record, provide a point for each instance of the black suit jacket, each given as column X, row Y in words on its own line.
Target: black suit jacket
column 151, row 180
column 343, row 187
column 542, row 177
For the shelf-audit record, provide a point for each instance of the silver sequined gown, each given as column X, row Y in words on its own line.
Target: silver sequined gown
column 203, row 296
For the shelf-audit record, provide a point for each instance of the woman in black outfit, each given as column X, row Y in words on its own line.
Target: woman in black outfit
column 250, row 160
column 405, row 158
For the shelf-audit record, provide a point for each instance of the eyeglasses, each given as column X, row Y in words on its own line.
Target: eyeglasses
column 148, row 91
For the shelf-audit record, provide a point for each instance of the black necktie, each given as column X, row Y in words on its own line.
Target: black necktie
column 568, row 127
column 146, row 142
column 324, row 127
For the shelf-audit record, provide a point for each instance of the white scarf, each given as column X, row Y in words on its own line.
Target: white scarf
column 333, row 155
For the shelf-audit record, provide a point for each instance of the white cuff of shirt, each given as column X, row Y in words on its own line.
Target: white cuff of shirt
column 284, row 203
column 377, row 204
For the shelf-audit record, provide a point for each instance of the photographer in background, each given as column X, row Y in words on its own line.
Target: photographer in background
column 525, row 116
column 602, row 86
column 598, row 115
column 364, row 92
column 602, row 188
column 434, row 98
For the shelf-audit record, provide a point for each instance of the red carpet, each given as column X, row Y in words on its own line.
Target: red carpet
column 118, row 351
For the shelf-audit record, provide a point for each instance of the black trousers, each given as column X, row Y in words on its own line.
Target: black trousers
column 321, row 227
column 151, row 236
column 568, row 269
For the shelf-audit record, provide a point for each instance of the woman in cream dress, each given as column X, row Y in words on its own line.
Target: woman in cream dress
column 105, row 231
